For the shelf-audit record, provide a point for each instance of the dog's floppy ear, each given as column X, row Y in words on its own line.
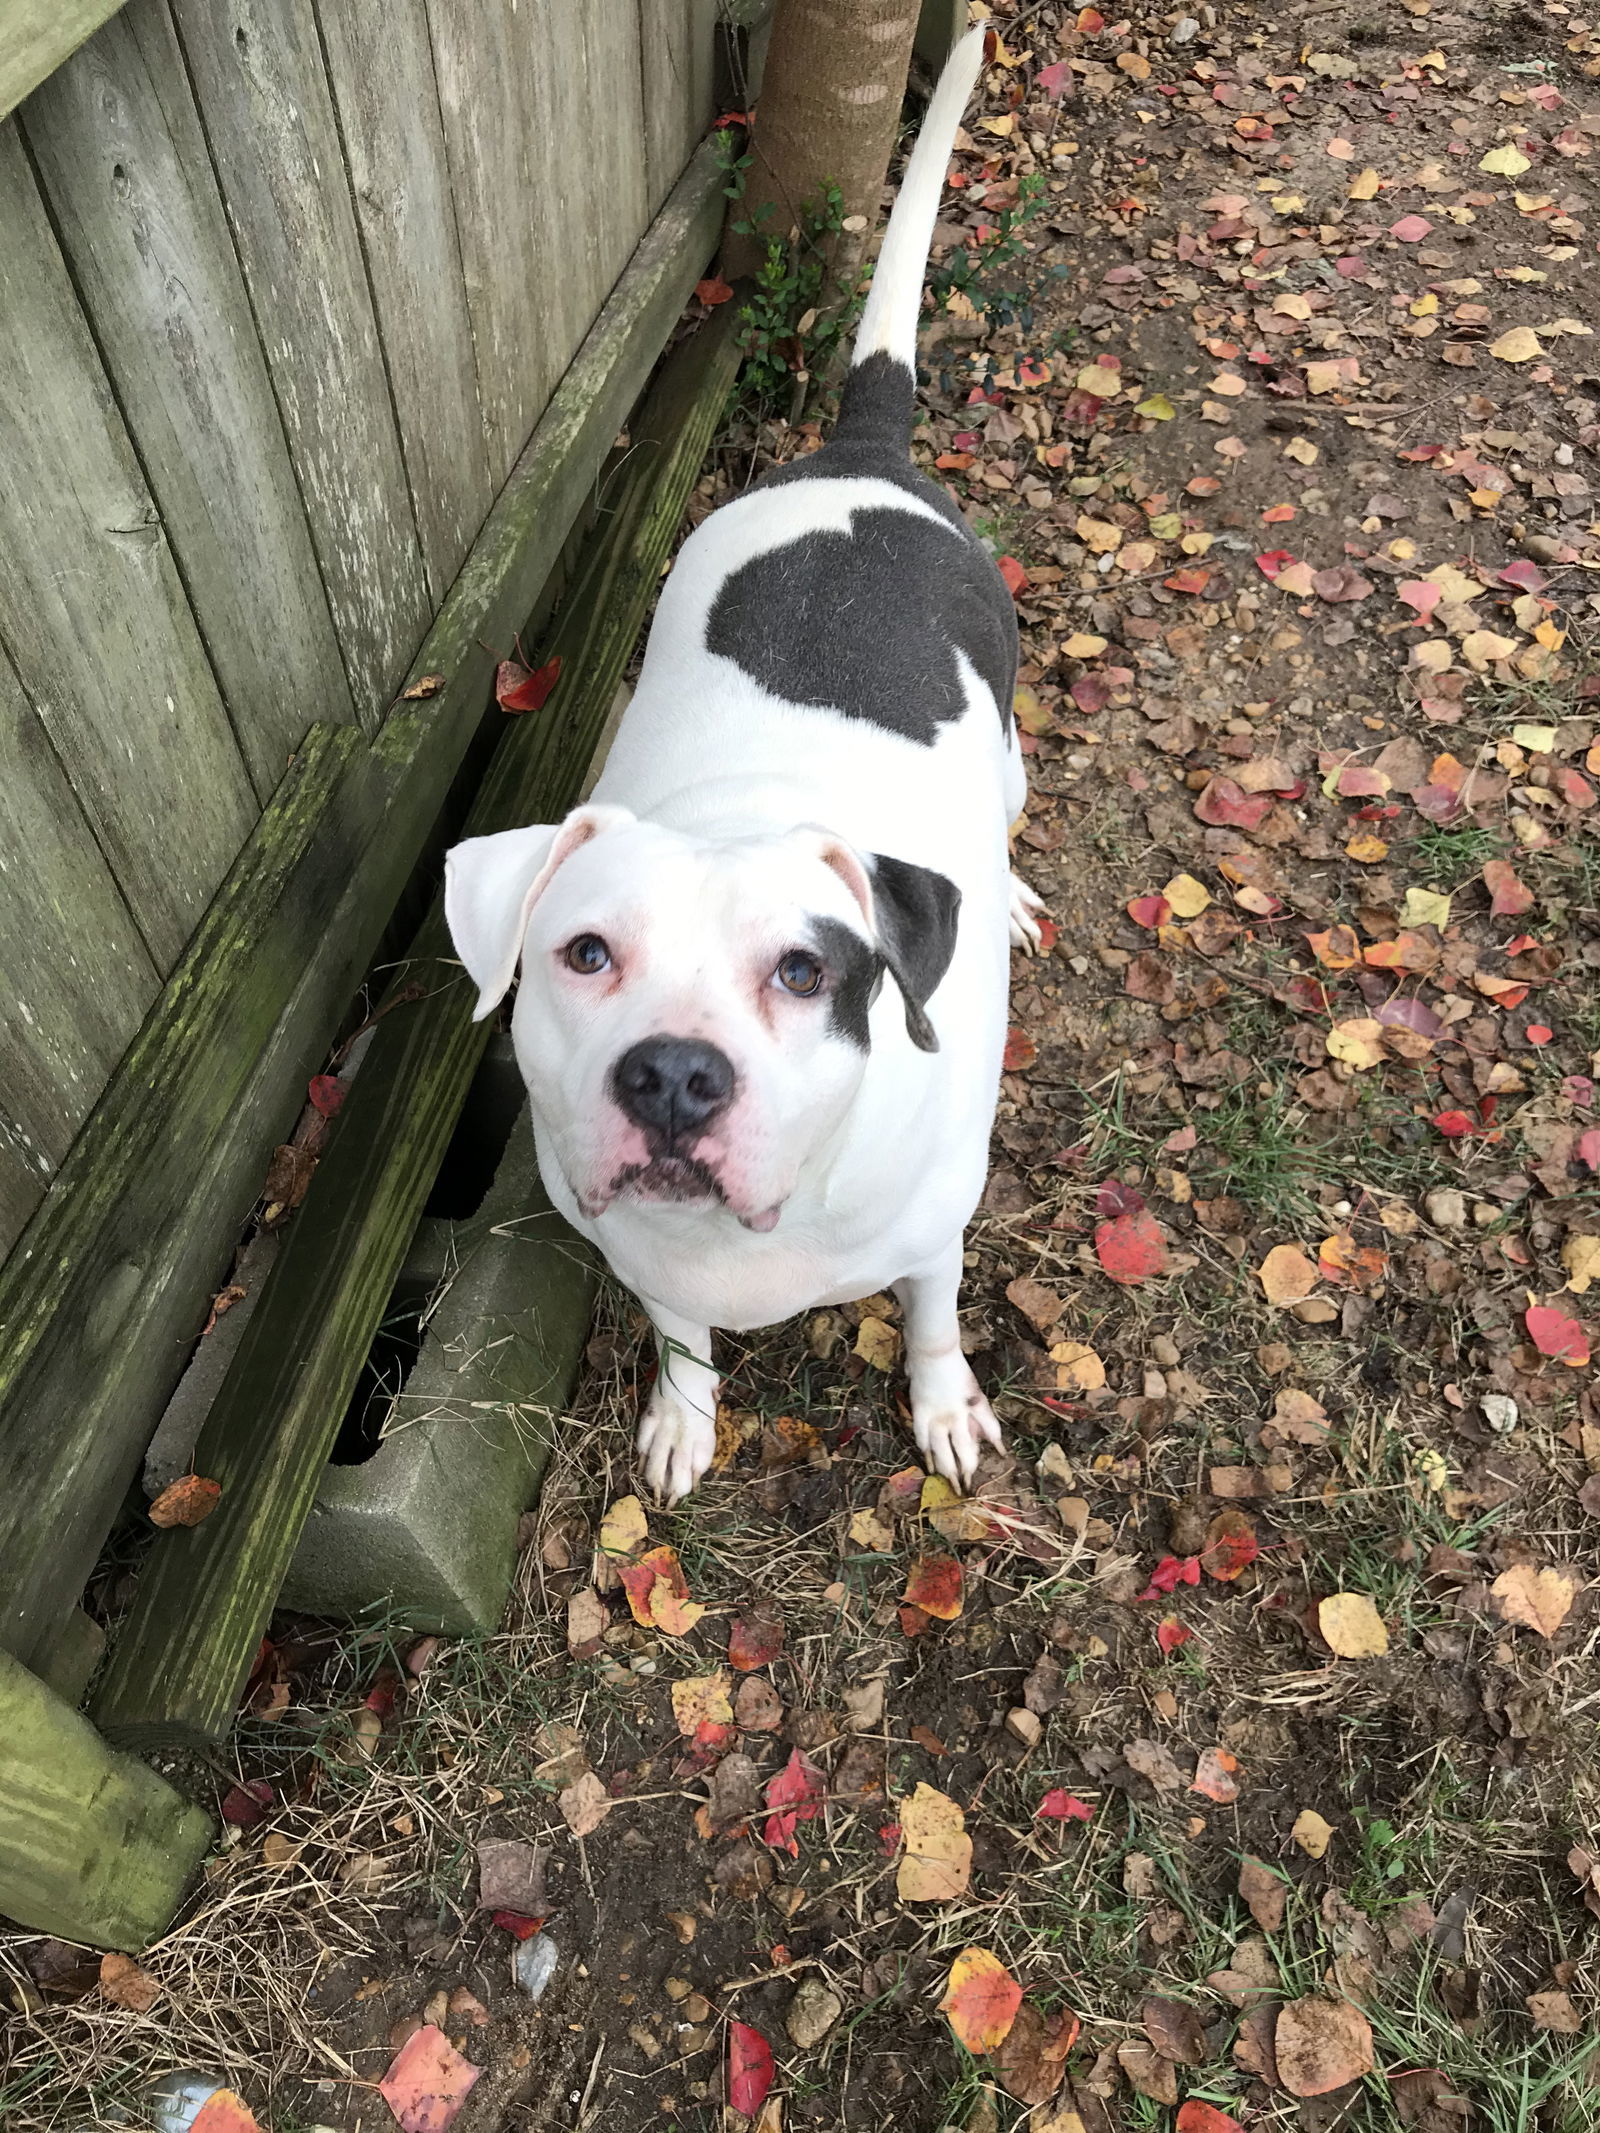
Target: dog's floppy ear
column 491, row 885
column 912, row 912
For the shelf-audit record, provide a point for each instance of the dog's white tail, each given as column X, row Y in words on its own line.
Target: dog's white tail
column 894, row 303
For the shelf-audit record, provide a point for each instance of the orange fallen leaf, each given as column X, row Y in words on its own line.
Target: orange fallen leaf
column 1286, row 1274
column 185, row 1501
column 934, row 1585
column 1214, row 1777
column 981, row 1999
column 224, row 2112
column 428, row 2081
column 658, row 1593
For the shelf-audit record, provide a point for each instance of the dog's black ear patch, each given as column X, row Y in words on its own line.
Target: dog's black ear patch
column 917, row 910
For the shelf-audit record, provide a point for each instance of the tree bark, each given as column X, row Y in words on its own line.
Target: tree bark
column 829, row 111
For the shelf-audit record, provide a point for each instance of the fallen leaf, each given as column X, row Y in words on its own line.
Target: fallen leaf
column 186, row 1501
column 586, row 1622
column 1264, row 1893
column 1352, row 1626
column 1321, row 2045
column 1520, row 345
column 1214, row 1777
column 1020, row 1051
column 1078, row 1368
column 869, row 1530
column 623, row 1530
column 936, row 1863
column 749, row 2068
column 1131, row 1248
column 1312, row 1833
column 1580, row 1255
column 1154, row 1760
column 1032, row 2062
column 1510, row 897
column 1554, row 2010
column 1172, row 1635
column 1060, row 1806
column 1040, row 1305
column 125, row 1984
column 1012, row 571
column 1197, row 2116
column 511, row 1876
column 755, row 1638
column 1231, row 1546
column 658, row 1594
column 1286, row 1274
column 702, row 1700
column 1176, row 2031
column 428, row 2081
column 584, row 1804
column 1536, row 1599
column 1507, row 161
column 1148, row 2071
column 516, row 689
column 981, row 1999
column 877, row 1343
column 1411, row 229
column 1187, row 897
column 224, row 2111
column 1556, row 1335
column 1364, row 185
column 934, row 1585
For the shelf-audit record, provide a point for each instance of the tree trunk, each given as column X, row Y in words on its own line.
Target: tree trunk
column 829, row 111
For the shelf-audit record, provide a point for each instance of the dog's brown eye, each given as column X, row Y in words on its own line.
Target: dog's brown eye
column 799, row 973
column 588, row 955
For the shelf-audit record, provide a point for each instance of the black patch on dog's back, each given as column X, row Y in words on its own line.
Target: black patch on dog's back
column 868, row 623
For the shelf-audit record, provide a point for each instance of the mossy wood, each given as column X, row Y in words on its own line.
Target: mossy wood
column 93, row 1846
column 37, row 35
column 205, row 1593
column 108, row 1284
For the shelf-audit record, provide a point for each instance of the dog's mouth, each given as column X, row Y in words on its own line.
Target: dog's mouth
column 680, row 1178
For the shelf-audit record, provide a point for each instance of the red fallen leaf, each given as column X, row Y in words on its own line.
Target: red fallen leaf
column 1521, row 945
column 1060, row 1806
column 1091, row 693
column 1589, row 1148
column 428, row 2081
column 514, row 1923
column 1411, row 229
column 1171, row 1633
column 1195, row 2116
column 1539, row 1033
column 1440, row 803
column 1049, row 934
column 1053, row 80
column 1188, row 581
column 749, row 2068
column 1115, row 1198
column 1131, row 1248
column 934, row 1585
column 1509, row 896
column 1171, row 1572
column 245, row 1805
column 1150, row 912
column 1454, row 1125
column 516, row 689
column 1225, row 804
column 1020, row 1051
column 1014, row 574
column 713, row 290
column 795, row 1795
column 1277, row 514
column 1307, row 996
column 1273, row 562
column 326, row 1093
column 1575, row 789
column 1525, row 576
column 754, row 1639
column 658, row 1594
column 889, row 1838
column 1556, row 1335
column 1090, row 22
column 1358, row 782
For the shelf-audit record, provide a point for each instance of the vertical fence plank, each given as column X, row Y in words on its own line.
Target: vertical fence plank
column 123, row 162
column 76, row 975
column 91, row 604
column 268, row 114
column 677, row 64
column 380, row 64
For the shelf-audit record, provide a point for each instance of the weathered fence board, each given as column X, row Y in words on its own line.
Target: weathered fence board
column 546, row 221
column 105, row 1288
column 204, row 1595
column 380, row 63
column 92, row 609
column 37, row 35
column 679, row 62
column 123, row 161
column 268, row 112
column 77, row 976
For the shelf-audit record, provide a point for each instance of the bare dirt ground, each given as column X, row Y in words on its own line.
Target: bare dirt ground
column 1247, row 1722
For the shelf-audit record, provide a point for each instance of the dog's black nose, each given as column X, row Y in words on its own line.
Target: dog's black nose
column 672, row 1085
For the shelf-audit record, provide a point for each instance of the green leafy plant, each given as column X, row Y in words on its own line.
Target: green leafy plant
column 792, row 326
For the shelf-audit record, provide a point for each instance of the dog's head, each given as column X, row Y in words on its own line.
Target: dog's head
column 692, row 1021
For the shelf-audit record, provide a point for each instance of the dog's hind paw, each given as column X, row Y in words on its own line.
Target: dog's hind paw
column 1027, row 908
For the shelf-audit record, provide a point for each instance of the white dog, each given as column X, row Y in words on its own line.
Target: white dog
column 810, row 790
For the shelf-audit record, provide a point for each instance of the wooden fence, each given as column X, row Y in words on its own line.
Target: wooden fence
column 285, row 287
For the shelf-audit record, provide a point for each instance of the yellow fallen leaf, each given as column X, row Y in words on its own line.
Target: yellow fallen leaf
column 1506, row 161
column 868, row 1530
column 1291, row 305
column 1536, row 1599
column 1312, row 1833
column 1358, row 1042
column 877, row 1343
column 1187, row 896
column 1425, row 306
column 1083, row 644
column 1352, row 1626
column 1480, row 649
column 981, row 1999
column 1520, row 345
column 623, row 1530
column 1364, row 186
column 1286, row 1274
column 1078, row 1369
column 1302, row 450
column 1030, row 714
column 1538, row 740
column 1433, row 655
column 1425, row 907
column 702, row 1699
column 1135, row 65
column 1581, row 1257
column 936, row 1863
column 1099, row 380
column 1158, row 408
column 1098, row 534
column 1366, row 849
column 1004, row 126
column 1558, row 326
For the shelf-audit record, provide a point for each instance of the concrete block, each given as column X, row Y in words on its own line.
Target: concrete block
column 427, row 1525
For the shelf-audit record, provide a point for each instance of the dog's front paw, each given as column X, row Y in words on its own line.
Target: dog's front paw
column 950, row 1418
column 676, row 1446
column 1027, row 908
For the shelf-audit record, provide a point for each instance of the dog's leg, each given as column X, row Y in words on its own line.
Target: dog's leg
column 1027, row 907
column 678, row 1429
column 950, row 1418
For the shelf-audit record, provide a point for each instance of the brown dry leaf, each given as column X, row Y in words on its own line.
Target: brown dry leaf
column 936, row 1864
column 1536, row 1599
column 702, row 1699
column 1300, row 1416
column 1312, row 1833
column 1554, row 2010
column 586, row 1622
column 1150, row 2073
column 585, row 1804
column 1286, row 1274
column 757, row 1708
column 1040, row 1305
column 185, row 1501
column 125, row 1984
column 1032, row 2062
column 1154, row 1762
column 868, row 1530
column 1264, row 1892
column 1321, row 2045
column 1176, row 2031
column 511, row 1876
column 1352, row 1626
